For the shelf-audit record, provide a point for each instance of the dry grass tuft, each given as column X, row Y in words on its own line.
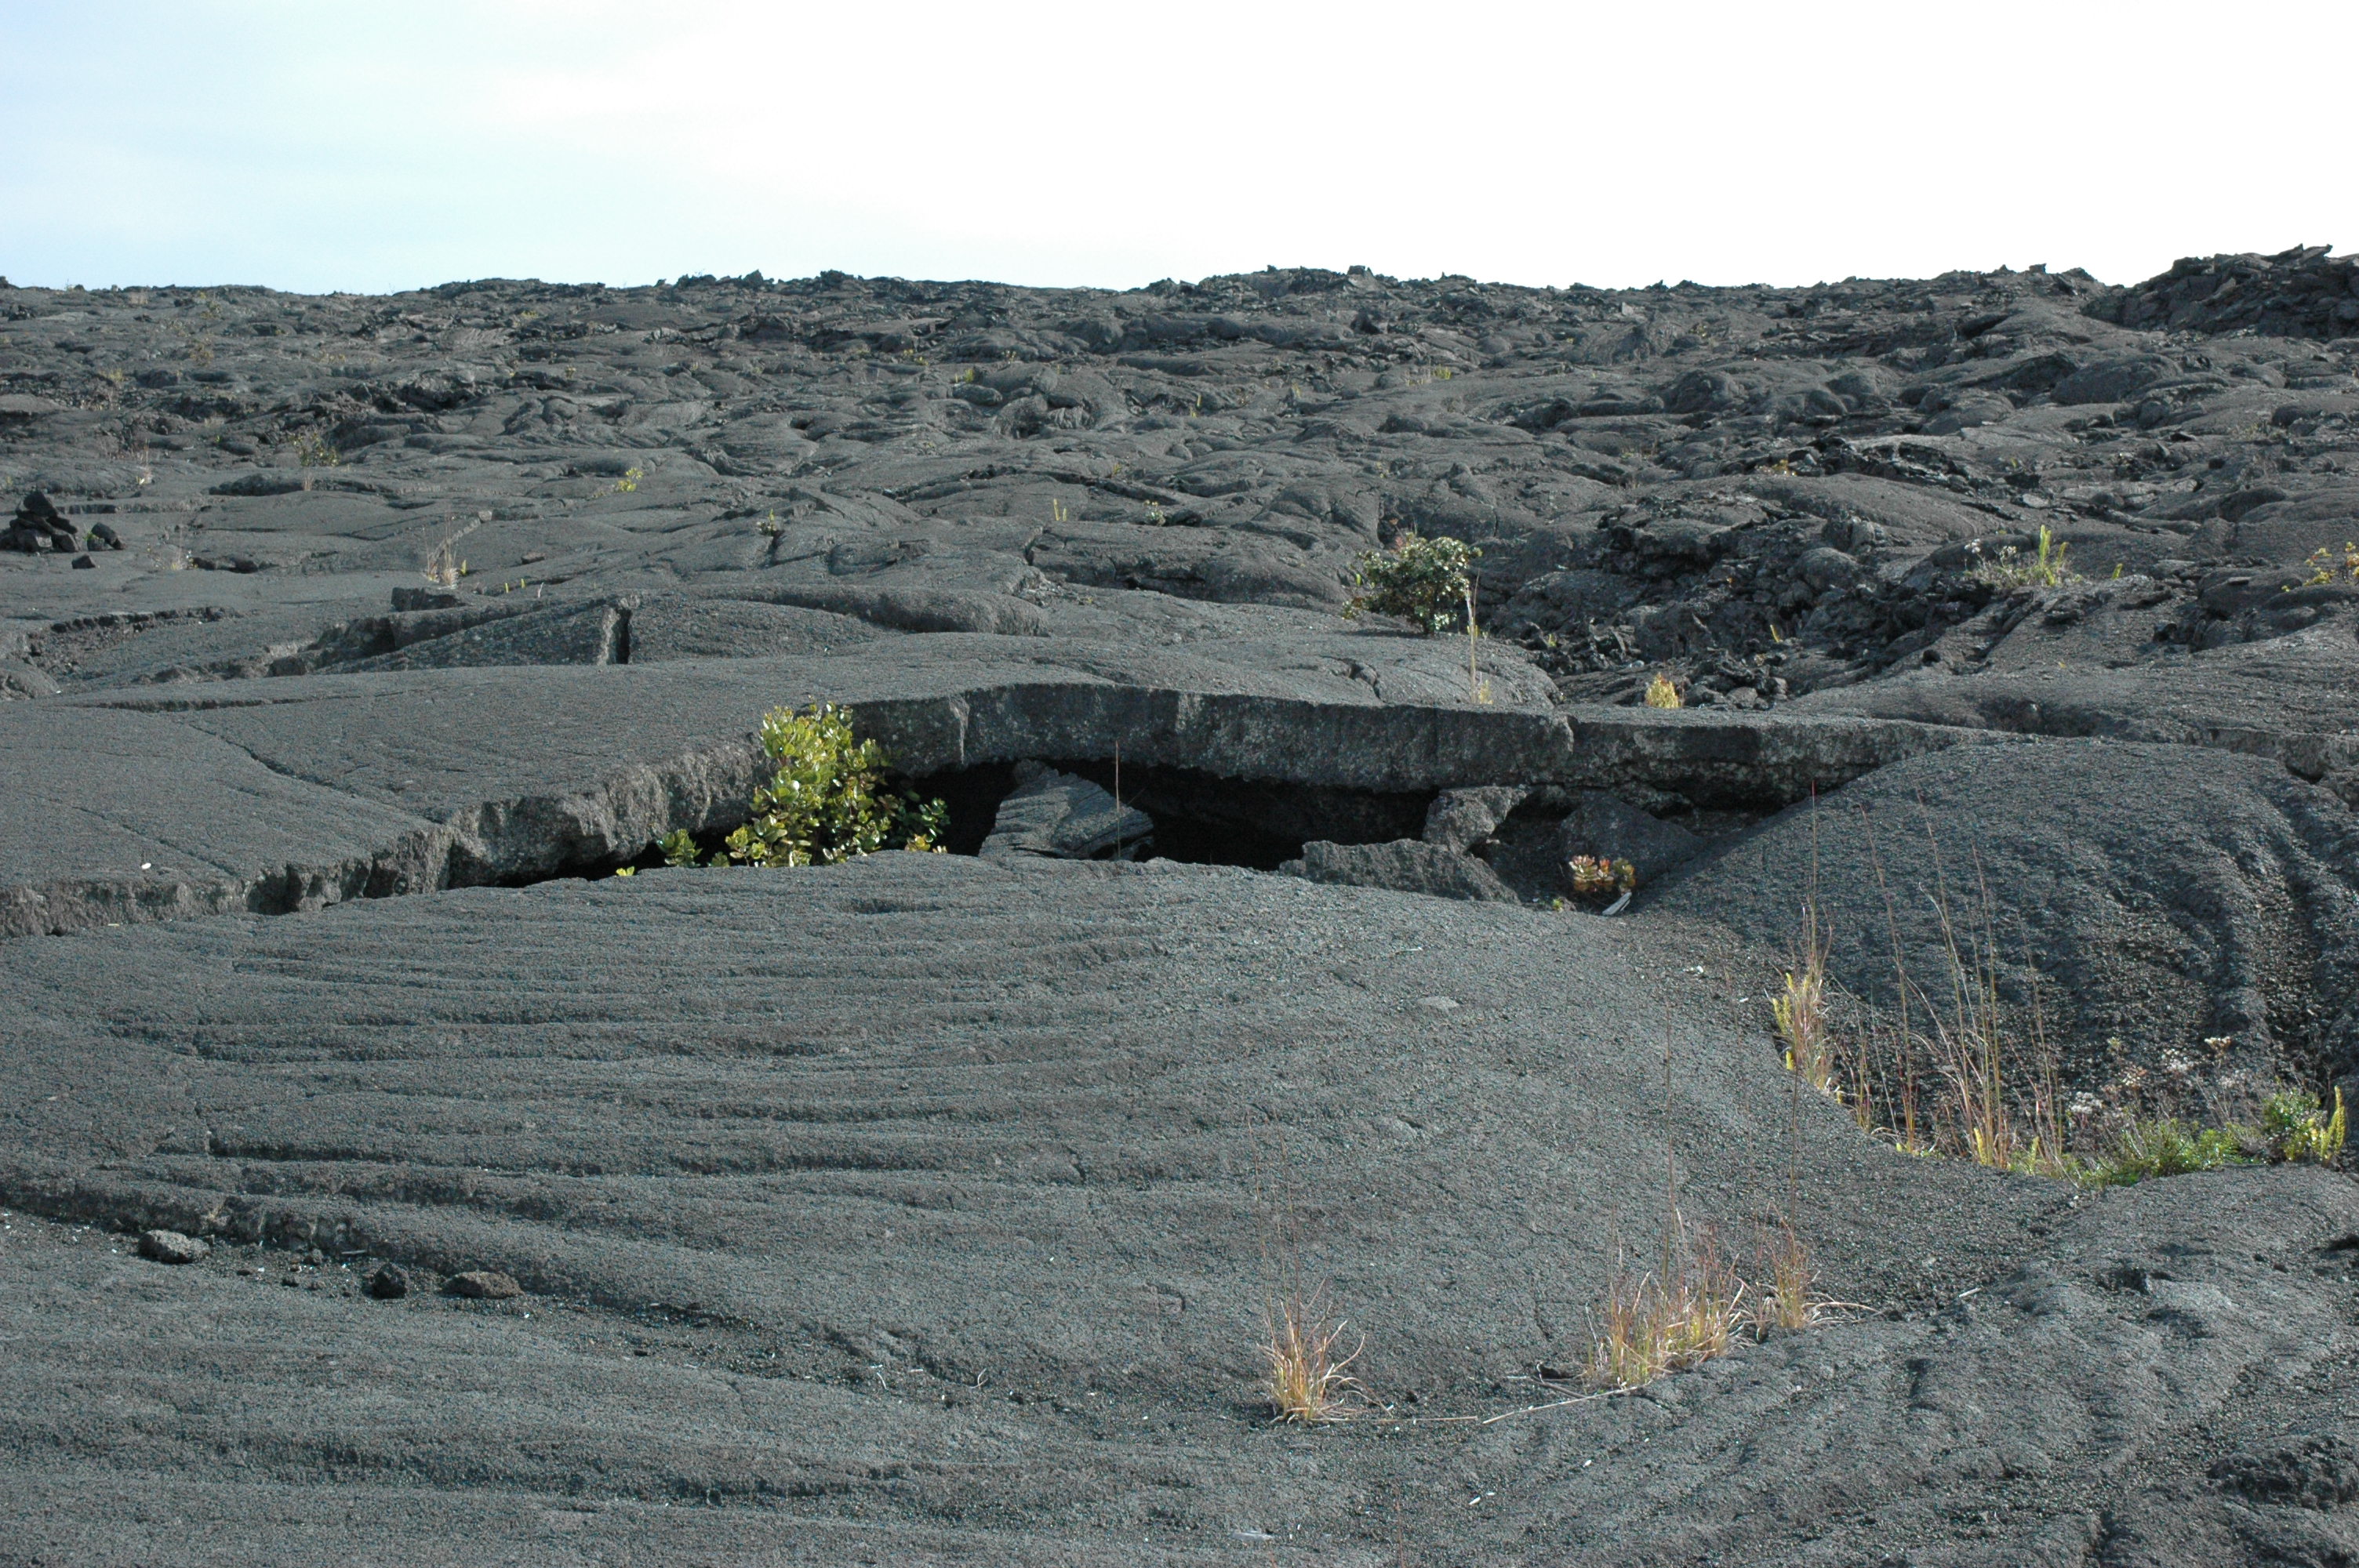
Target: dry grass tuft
column 1307, row 1381
column 1790, row 1300
column 1683, row 1314
column 1800, row 1010
column 444, row 568
column 1662, row 693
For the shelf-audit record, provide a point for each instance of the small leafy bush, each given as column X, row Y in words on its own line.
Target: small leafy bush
column 2323, row 566
column 829, row 801
column 2299, row 1129
column 1429, row 581
column 2295, row 1128
column 1595, row 876
column 1662, row 693
column 2164, row 1147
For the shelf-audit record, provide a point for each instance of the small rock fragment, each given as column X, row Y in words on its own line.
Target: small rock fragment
column 387, row 1282
column 483, row 1286
column 170, row 1247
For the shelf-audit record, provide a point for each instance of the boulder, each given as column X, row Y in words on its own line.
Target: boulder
column 1606, row 826
column 1063, row 818
column 170, row 1247
column 483, row 1286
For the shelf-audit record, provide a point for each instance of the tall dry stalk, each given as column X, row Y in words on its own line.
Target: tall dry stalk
column 1973, row 1043
column 1902, row 1094
column 1799, row 1008
column 1686, row 1310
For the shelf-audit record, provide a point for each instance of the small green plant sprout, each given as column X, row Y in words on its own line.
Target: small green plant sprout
column 1429, row 581
column 770, row 526
column 679, row 847
column 1308, row 1382
column 2323, row 566
column 1662, row 693
column 2045, row 567
column 1596, row 876
column 629, row 481
column 828, row 800
column 2300, row 1129
column 312, row 451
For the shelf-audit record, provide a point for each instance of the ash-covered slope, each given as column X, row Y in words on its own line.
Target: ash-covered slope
column 924, row 1210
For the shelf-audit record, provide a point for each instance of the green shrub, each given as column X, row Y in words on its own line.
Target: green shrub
column 1429, row 581
column 2165, row 1146
column 829, row 801
column 2298, row 1127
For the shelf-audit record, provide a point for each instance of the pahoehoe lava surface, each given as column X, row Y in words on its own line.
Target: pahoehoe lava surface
column 928, row 1207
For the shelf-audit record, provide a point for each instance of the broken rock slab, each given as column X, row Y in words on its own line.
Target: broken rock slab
column 1405, row 865
column 1062, row 817
column 1461, row 818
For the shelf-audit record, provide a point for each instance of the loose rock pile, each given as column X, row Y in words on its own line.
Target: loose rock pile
column 2301, row 293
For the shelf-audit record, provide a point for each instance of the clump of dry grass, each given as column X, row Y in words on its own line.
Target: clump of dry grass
column 1682, row 1314
column 1306, row 1374
column 1800, row 1010
column 443, row 567
column 1790, row 1298
column 1996, row 1065
column 1308, row 1381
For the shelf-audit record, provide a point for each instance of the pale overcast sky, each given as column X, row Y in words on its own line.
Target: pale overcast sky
column 381, row 146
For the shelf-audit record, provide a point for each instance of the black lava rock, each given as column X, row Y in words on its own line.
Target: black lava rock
column 482, row 1284
column 2318, row 1471
column 170, row 1247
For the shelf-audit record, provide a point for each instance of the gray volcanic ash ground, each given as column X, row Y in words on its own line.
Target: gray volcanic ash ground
column 927, row 1209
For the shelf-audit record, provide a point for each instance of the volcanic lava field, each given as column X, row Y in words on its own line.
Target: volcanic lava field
column 402, row 1162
